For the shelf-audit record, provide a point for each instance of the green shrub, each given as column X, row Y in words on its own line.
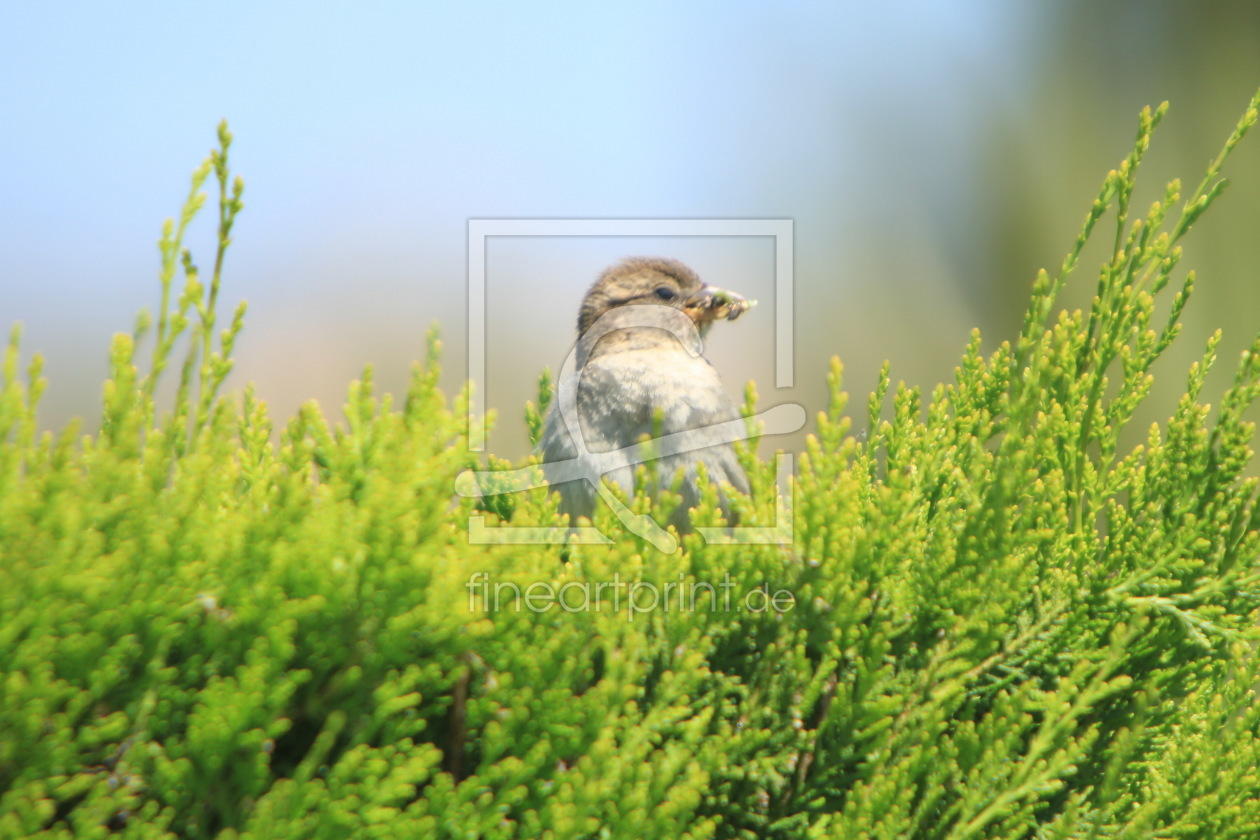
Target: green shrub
column 1002, row 623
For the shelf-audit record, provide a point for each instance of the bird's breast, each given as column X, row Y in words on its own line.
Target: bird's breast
column 618, row 393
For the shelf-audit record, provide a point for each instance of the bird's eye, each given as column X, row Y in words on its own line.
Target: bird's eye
column 666, row 293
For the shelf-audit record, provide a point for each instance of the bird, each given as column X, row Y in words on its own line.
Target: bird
column 638, row 371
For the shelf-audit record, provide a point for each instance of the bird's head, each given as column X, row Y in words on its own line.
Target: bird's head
column 659, row 281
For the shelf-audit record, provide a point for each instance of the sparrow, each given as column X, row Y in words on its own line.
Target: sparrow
column 637, row 354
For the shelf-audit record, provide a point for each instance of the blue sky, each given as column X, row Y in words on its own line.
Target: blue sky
column 369, row 134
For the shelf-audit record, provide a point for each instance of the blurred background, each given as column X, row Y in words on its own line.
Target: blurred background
column 933, row 156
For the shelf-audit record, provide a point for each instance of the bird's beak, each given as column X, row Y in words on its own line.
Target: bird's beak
column 712, row 303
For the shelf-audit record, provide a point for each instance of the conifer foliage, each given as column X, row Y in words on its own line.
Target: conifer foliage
column 999, row 617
